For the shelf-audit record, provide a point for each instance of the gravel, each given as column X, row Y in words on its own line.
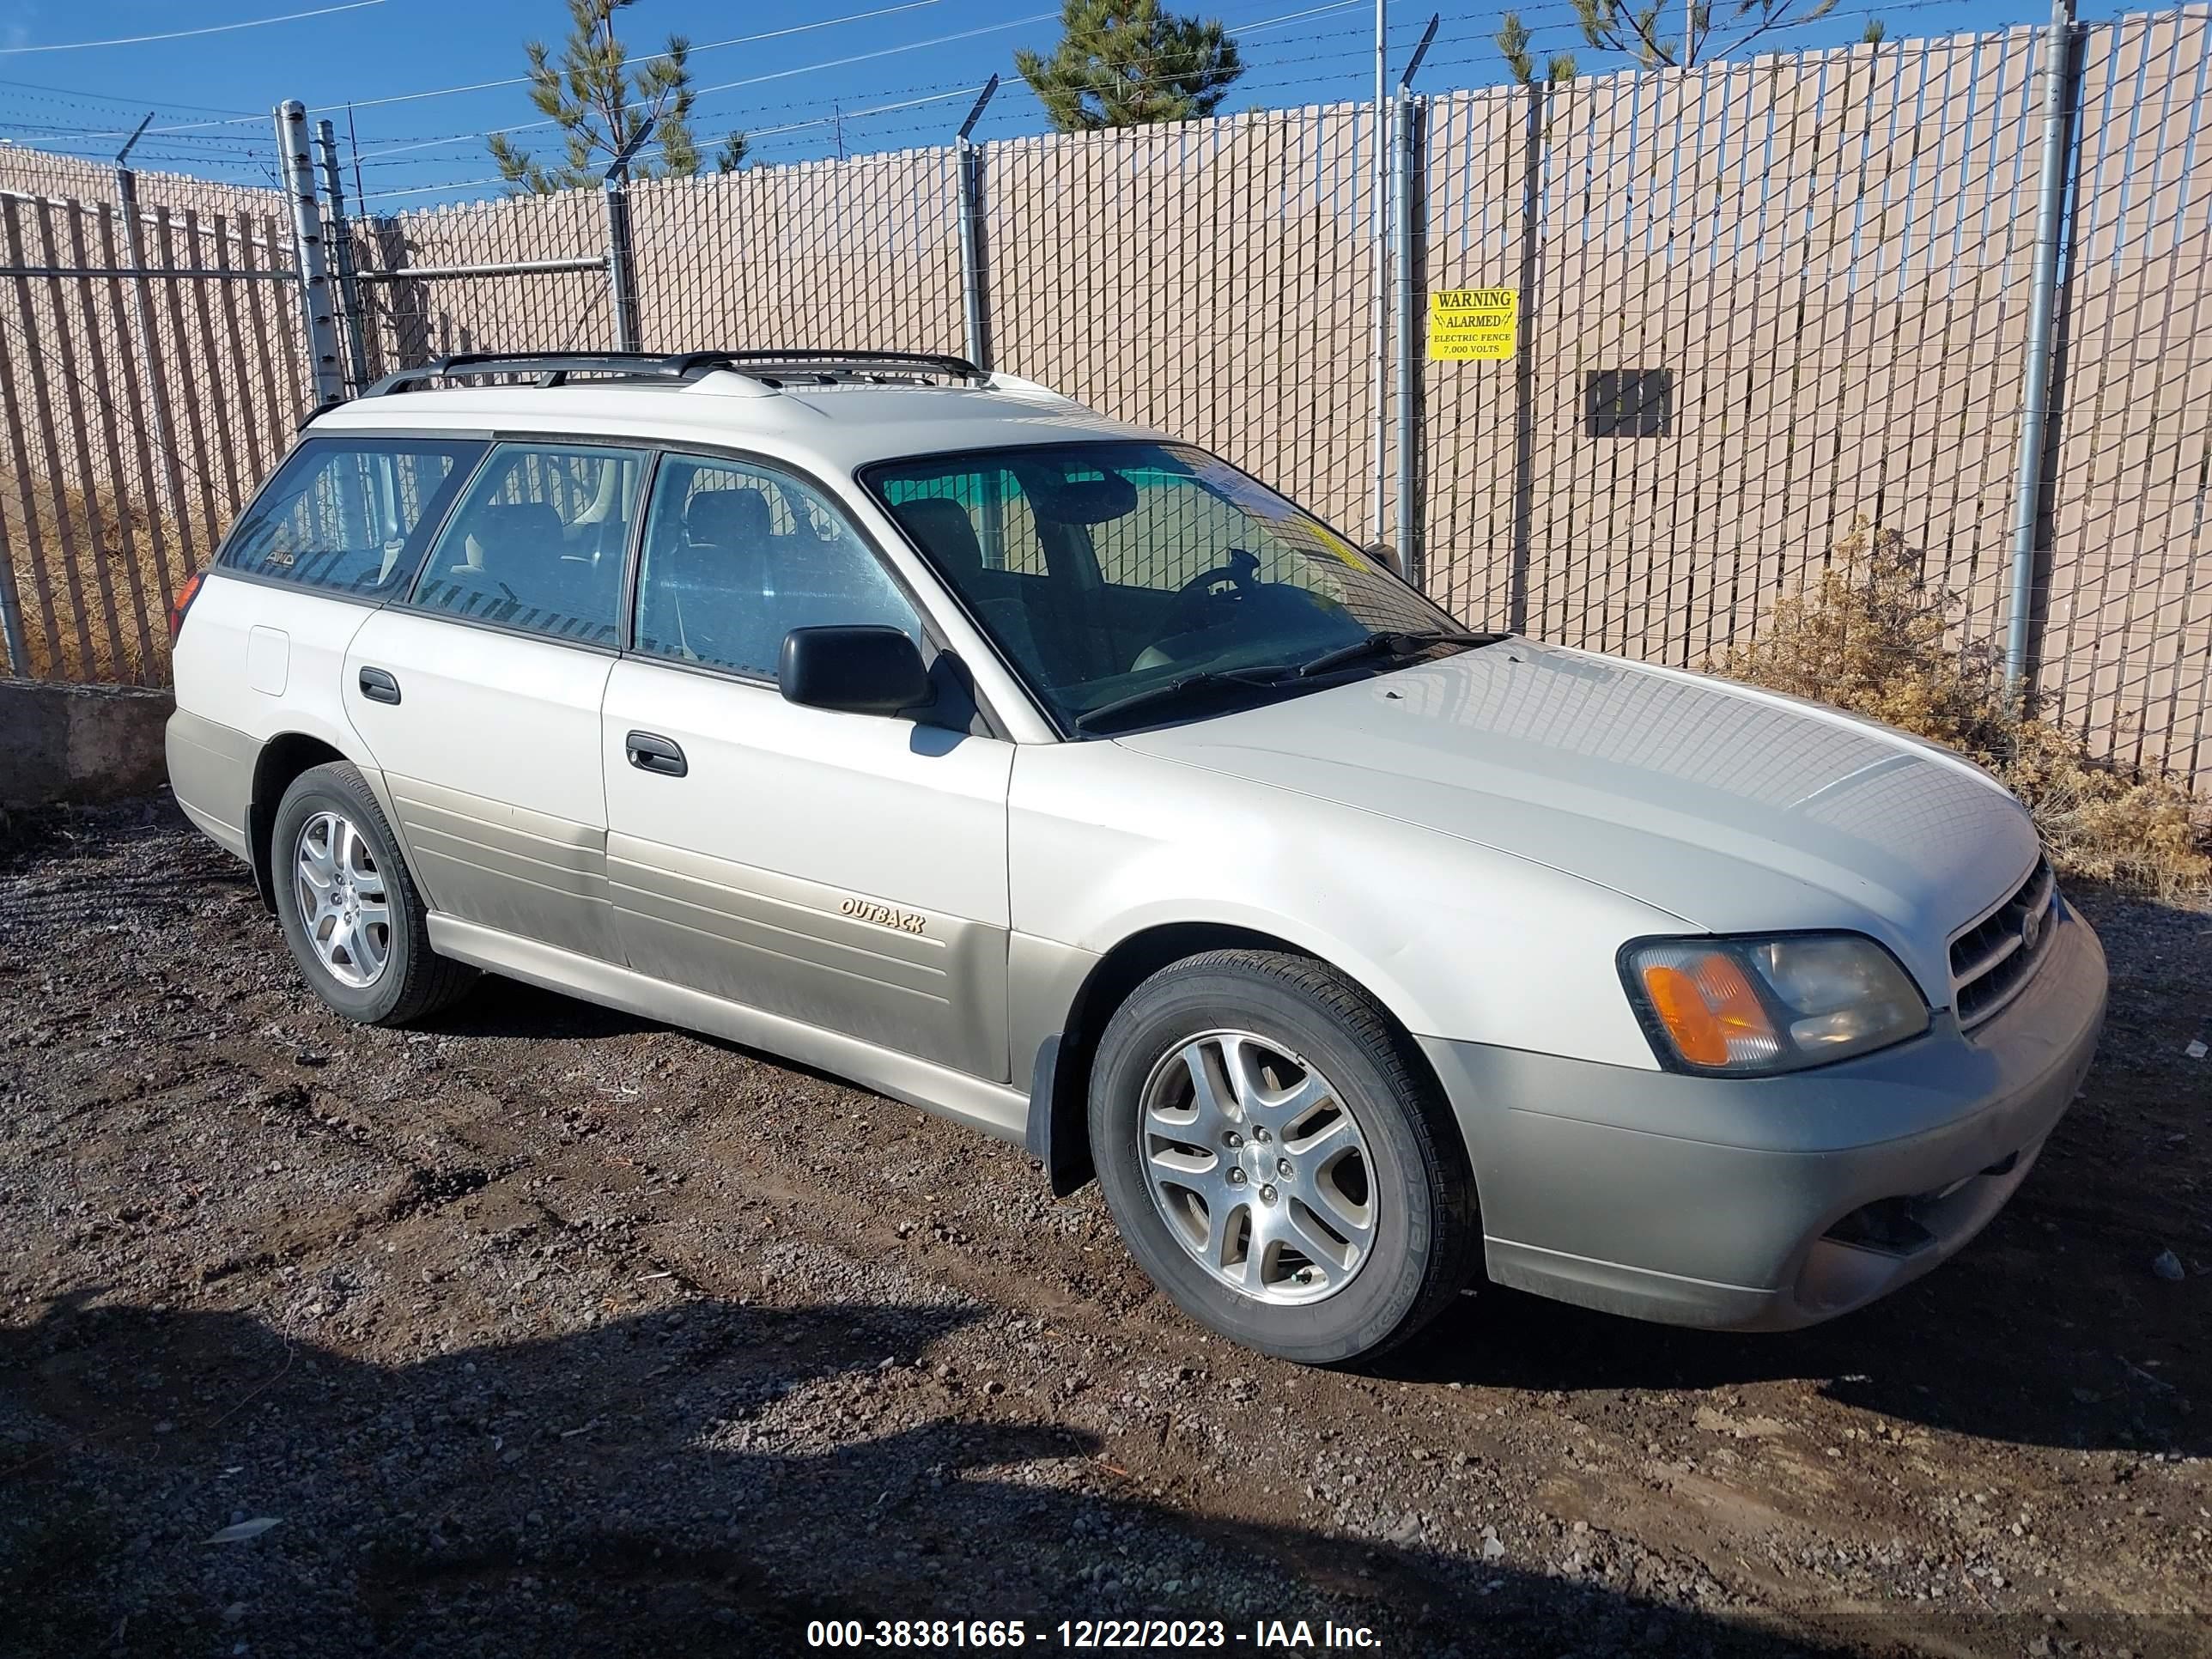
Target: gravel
column 545, row 1330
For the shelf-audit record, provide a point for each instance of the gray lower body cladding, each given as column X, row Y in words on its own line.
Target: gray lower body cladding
column 1765, row 1204
column 211, row 775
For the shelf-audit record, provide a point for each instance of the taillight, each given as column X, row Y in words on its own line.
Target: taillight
column 183, row 602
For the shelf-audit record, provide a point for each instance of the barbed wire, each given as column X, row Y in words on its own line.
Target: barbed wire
column 450, row 151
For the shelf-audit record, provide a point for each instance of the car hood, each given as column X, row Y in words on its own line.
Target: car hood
column 1733, row 808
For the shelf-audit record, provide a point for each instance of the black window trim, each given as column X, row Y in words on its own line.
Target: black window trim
column 404, row 603
column 933, row 636
column 987, row 717
column 215, row 566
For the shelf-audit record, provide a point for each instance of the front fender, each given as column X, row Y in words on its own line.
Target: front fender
column 1455, row 939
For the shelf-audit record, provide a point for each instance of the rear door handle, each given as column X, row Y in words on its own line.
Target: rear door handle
column 649, row 753
column 378, row 686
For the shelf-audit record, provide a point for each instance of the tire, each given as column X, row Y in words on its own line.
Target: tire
column 1268, row 1027
column 409, row 980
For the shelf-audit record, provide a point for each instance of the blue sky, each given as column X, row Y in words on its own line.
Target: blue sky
column 817, row 74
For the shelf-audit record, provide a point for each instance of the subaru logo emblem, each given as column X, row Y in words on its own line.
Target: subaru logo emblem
column 2031, row 929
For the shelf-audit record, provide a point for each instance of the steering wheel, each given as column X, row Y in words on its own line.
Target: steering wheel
column 1196, row 597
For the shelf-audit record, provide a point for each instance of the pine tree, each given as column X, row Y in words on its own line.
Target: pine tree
column 1126, row 64
column 600, row 104
column 1640, row 30
column 1512, row 38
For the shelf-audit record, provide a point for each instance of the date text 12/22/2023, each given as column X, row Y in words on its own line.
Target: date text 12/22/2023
column 1078, row 1635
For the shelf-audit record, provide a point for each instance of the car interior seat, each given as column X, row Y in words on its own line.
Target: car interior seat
column 947, row 535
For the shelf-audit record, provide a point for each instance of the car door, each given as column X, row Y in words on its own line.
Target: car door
column 847, row 871
column 480, row 697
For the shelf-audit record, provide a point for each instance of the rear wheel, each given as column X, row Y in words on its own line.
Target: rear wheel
column 1277, row 1161
column 348, row 906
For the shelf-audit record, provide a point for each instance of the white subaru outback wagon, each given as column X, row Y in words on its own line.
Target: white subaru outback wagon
column 918, row 724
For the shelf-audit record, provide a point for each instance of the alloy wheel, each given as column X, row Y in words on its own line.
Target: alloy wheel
column 1258, row 1167
column 344, row 905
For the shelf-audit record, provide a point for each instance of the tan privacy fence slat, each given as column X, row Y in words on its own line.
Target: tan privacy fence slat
column 101, row 521
column 1759, row 303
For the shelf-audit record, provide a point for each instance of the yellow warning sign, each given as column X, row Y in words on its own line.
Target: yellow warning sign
column 1467, row 324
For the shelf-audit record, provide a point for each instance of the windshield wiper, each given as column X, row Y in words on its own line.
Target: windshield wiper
column 1177, row 691
column 1392, row 645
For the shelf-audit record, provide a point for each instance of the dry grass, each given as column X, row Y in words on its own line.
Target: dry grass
column 1872, row 636
column 67, row 632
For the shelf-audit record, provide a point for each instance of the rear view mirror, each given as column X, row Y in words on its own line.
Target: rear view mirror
column 1086, row 501
column 852, row 670
column 1386, row 555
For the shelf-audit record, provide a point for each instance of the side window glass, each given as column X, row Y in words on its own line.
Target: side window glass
column 537, row 542
column 739, row 555
column 350, row 516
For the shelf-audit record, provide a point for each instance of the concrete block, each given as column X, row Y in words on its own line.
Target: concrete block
column 80, row 743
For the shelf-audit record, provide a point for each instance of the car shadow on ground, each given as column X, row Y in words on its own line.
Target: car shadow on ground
column 651, row 1485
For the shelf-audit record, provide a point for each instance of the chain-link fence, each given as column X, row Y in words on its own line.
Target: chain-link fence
column 149, row 378
column 1753, row 307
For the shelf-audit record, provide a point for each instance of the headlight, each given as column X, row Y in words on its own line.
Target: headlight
column 1746, row 1008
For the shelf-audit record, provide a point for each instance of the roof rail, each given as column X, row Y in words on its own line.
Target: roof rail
column 761, row 365
column 551, row 368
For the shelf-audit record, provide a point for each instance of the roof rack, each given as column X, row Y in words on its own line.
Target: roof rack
column 772, row 368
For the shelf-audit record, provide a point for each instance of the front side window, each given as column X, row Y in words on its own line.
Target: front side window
column 538, row 540
column 1107, row 571
column 350, row 516
column 737, row 555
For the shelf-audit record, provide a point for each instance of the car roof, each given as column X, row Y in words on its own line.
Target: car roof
column 836, row 424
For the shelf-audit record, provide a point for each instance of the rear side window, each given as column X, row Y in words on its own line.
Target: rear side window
column 538, row 541
column 350, row 516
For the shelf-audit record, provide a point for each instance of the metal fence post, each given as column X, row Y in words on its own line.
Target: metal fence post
column 297, row 169
column 11, row 619
column 1379, row 231
column 341, row 253
column 2043, row 302
column 1410, row 134
column 622, row 275
column 142, row 300
column 968, row 160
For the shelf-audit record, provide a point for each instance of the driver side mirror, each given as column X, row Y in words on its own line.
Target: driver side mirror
column 852, row 669
column 1386, row 555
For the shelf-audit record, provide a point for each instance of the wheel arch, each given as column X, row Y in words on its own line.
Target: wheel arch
column 1059, row 1134
column 282, row 759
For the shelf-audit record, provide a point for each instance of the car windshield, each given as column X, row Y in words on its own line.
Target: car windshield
column 1133, row 583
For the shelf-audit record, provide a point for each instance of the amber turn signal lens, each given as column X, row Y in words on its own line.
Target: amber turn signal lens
column 183, row 603
column 1709, row 1010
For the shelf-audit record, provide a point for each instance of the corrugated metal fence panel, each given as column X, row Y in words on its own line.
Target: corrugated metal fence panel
column 2127, row 648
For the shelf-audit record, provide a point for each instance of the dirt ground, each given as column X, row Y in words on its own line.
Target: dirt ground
column 547, row 1331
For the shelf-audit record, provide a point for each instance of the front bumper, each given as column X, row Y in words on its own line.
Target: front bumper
column 1769, row 1203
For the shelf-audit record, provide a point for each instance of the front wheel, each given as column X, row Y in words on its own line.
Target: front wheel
column 1277, row 1159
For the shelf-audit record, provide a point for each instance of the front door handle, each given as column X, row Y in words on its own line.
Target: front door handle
column 649, row 753
column 378, row 686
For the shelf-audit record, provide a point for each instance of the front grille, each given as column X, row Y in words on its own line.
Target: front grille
column 1992, row 960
